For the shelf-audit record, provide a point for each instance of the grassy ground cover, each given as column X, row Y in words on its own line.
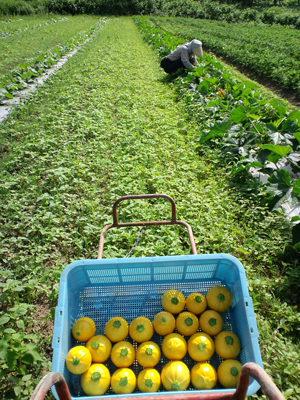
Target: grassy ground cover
column 269, row 51
column 29, row 44
column 108, row 125
column 14, row 25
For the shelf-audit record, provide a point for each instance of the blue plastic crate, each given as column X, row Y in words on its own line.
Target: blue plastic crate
column 133, row 287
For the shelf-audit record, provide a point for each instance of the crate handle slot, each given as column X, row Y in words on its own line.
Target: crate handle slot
column 173, row 220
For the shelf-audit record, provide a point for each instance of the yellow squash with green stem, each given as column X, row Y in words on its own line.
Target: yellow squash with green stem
column 123, row 354
column 201, row 346
column 229, row 373
column 211, row 322
column 196, row 303
column 173, row 301
column 116, row 329
column 227, row 344
column 164, row 323
column 78, row 360
column 203, row 376
column 174, row 346
column 123, row 381
column 83, row 329
column 99, row 347
column 96, row 380
column 219, row 298
column 149, row 380
column 141, row 329
column 175, row 376
column 148, row 354
column 187, row 323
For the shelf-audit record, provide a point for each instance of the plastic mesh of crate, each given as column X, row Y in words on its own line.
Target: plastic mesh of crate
column 102, row 289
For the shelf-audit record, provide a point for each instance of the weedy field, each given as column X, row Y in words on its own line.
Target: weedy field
column 109, row 124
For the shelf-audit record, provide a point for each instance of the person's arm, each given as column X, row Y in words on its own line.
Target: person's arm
column 193, row 60
column 185, row 58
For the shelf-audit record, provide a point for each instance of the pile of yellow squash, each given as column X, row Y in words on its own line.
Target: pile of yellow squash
column 96, row 379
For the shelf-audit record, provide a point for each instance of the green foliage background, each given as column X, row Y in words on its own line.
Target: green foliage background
column 248, row 11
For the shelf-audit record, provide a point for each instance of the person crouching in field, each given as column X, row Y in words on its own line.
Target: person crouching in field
column 183, row 57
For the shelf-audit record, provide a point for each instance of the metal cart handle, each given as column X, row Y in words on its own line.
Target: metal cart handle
column 173, row 220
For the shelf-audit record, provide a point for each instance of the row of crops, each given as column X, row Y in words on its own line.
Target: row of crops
column 255, row 134
column 10, row 27
column 272, row 52
column 37, row 47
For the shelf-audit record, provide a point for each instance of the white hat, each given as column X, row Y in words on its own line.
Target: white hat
column 196, row 47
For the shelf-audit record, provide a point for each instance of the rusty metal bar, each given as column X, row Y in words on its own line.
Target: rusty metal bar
column 256, row 372
column 173, row 220
column 53, row 378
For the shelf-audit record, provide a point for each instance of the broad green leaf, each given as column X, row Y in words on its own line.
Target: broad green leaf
column 254, row 117
column 33, row 349
column 214, row 103
column 274, row 158
column 198, row 72
column 9, row 330
column 281, row 110
column 188, row 78
column 3, row 349
column 11, row 358
column 238, row 115
column 220, row 127
column 296, row 186
column 209, row 136
column 281, row 178
column 295, row 116
column 296, row 218
column 21, row 324
column 26, row 378
column 17, row 390
column 287, row 393
column 280, row 150
column 8, row 95
column 239, row 169
column 263, row 156
column 289, row 126
column 27, row 358
column 297, row 136
column 22, row 370
column 204, row 87
column 217, row 130
column 250, row 85
column 23, row 65
column 3, row 320
column 17, row 336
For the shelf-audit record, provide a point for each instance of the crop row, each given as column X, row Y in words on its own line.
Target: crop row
column 26, row 25
column 256, row 134
column 271, row 52
column 30, row 44
column 27, row 71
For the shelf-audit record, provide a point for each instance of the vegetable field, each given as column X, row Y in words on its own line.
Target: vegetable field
column 271, row 52
column 34, row 47
column 108, row 124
